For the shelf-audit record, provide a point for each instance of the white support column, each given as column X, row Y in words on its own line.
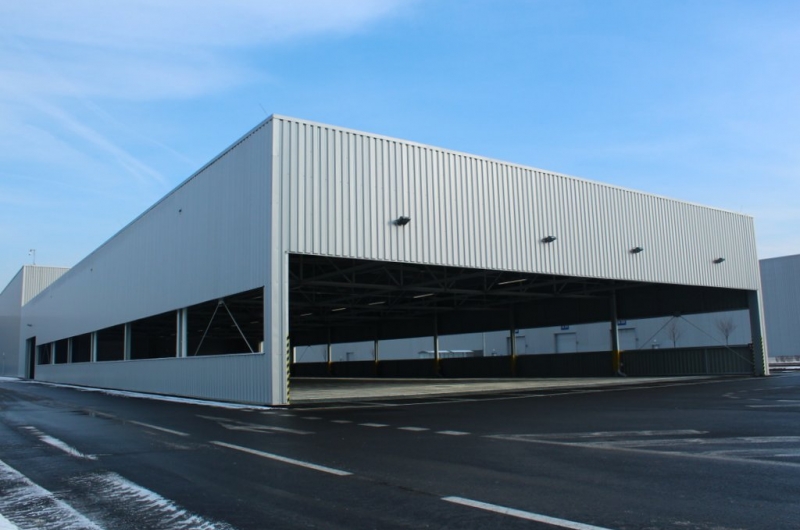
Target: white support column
column 276, row 332
column 93, row 346
column 757, row 334
column 126, row 349
column 181, row 333
column 69, row 350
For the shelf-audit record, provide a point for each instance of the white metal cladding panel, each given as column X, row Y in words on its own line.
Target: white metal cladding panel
column 780, row 284
column 10, row 307
column 37, row 278
column 342, row 189
column 237, row 378
column 207, row 239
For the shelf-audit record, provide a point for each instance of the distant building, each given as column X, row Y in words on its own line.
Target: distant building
column 23, row 287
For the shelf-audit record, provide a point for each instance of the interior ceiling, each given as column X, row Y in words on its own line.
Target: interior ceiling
column 346, row 300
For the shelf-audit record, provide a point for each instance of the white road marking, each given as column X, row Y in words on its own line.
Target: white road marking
column 452, row 433
column 23, row 502
column 672, row 447
column 101, row 414
column 376, row 425
column 236, row 425
column 530, row 516
column 413, row 429
column 157, row 428
column 284, row 459
column 341, row 421
column 775, row 406
column 58, row 444
column 312, row 418
column 617, row 434
column 117, row 500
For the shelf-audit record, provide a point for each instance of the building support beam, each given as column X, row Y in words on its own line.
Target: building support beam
column 758, row 336
column 436, row 359
column 181, row 332
column 126, row 348
column 513, row 342
column 615, row 353
column 93, row 346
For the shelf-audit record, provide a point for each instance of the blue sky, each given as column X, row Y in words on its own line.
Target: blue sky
column 106, row 106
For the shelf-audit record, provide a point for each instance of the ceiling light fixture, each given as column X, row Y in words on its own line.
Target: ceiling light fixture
column 423, row 295
column 338, row 309
column 513, row 281
column 377, row 303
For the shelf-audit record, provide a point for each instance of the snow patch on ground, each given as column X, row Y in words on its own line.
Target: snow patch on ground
column 29, row 504
column 5, row 524
column 143, row 507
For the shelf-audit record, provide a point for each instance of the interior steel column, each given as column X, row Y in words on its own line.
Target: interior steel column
column 181, row 335
column 513, row 342
column 437, row 366
column 615, row 353
column 93, row 346
column 376, row 351
column 126, row 347
column 329, row 353
column 759, row 344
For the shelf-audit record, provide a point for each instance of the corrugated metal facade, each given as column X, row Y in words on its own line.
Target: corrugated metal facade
column 291, row 186
column 341, row 189
column 206, row 239
column 36, row 279
column 237, row 378
column 780, row 281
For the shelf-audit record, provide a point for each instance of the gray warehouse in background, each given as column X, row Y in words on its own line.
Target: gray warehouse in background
column 780, row 279
column 24, row 286
column 304, row 234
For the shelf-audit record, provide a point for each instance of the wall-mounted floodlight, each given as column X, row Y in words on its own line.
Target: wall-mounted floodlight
column 549, row 239
column 402, row 220
column 636, row 250
column 719, row 260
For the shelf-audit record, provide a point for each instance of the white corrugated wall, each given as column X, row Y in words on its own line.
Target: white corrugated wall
column 342, row 189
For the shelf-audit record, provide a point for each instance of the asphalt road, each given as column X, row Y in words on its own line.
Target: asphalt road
column 720, row 455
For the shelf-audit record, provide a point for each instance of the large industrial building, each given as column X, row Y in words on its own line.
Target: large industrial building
column 303, row 234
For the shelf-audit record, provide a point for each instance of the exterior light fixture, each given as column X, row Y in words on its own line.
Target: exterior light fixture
column 719, row 260
column 549, row 239
column 513, row 281
column 636, row 250
column 402, row 220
